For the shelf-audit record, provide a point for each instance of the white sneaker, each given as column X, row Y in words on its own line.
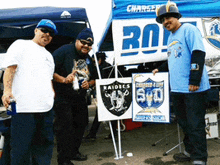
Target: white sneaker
column 199, row 162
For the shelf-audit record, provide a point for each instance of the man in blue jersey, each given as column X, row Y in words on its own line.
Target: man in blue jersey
column 188, row 81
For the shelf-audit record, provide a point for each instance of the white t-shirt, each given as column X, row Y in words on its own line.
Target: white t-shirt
column 32, row 86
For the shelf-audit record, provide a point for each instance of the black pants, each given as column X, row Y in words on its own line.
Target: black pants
column 190, row 111
column 70, row 122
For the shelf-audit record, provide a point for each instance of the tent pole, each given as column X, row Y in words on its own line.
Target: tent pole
column 113, row 140
column 119, row 140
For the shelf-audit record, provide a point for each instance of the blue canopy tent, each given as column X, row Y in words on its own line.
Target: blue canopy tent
column 21, row 22
column 135, row 37
column 132, row 9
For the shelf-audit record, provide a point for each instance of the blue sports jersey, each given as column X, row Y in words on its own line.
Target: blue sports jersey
column 181, row 44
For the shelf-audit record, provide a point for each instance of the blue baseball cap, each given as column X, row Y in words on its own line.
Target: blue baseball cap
column 86, row 34
column 47, row 24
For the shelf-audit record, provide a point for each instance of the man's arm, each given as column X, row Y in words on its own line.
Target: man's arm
column 58, row 78
column 163, row 68
column 65, row 80
column 91, row 83
column 197, row 65
column 7, row 81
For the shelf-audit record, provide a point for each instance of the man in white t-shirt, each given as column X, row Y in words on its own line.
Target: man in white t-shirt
column 27, row 79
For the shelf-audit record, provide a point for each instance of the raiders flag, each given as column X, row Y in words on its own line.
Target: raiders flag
column 150, row 97
column 114, row 99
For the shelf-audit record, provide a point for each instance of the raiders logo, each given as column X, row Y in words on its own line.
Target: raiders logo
column 211, row 27
column 116, row 97
column 149, row 94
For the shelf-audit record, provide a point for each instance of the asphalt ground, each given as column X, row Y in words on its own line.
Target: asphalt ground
column 150, row 144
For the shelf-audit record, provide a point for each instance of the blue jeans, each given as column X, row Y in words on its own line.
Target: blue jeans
column 32, row 138
column 5, row 159
column 190, row 109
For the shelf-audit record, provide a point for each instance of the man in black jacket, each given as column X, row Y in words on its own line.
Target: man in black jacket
column 72, row 63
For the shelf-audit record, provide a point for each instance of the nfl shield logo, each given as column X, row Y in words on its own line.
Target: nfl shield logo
column 149, row 94
column 116, row 97
column 211, row 27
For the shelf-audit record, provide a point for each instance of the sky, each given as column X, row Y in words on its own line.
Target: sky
column 98, row 11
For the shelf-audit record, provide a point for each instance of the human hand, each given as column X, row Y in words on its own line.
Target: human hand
column 6, row 98
column 85, row 84
column 155, row 71
column 70, row 78
column 193, row 88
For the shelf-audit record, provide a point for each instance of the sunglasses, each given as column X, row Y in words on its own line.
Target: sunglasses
column 84, row 42
column 45, row 30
